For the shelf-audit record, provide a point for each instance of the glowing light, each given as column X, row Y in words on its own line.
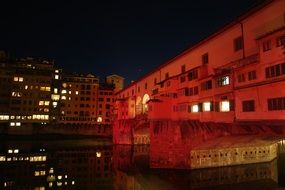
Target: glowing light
column 59, row 177
column 98, row 154
column 195, row 108
column 225, row 106
column 76, row 92
column 99, row 119
column 56, row 77
column 16, row 151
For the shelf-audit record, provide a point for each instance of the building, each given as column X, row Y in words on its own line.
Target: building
column 224, row 82
column 78, row 99
column 224, row 78
column 26, row 86
column 115, row 80
column 105, row 103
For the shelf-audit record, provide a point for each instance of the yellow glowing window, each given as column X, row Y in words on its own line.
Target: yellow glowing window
column 56, row 71
column 4, row 117
column 54, row 104
column 55, row 97
column 46, row 103
column 195, row 108
column 56, row 77
column 21, row 79
column 76, row 92
column 42, row 88
column 225, row 106
column 63, row 97
column 41, row 103
column 55, row 90
column 63, row 92
column 16, row 79
column 207, row 106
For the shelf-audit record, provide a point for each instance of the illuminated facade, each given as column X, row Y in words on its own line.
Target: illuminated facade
column 105, row 103
column 26, row 86
column 115, row 80
column 230, row 83
column 78, row 99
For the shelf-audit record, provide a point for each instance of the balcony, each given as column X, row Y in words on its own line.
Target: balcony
column 246, row 61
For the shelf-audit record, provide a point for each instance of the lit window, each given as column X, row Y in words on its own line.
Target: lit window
column 18, row 124
column 4, row 117
column 51, row 171
column 16, row 79
column 55, row 97
column 56, row 71
column 195, row 108
column 46, row 103
column 63, row 97
column 41, row 103
column 16, row 151
column 69, row 92
column 26, row 87
column 69, row 98
column 56, row 77
column 50, row 184
column 2, row 158
column 12, row 124
column 73, row 182
column 63, row 92
column 207, row 106
column 225, row 106
column 76, row 92
column 37, row 173
column 54, row 104
column 55, row 90
column 59, row 184
column 65, row 176
column 223, row 81
column 21, row 79
column 10, row 151
column 59, row 177
column 99, row 119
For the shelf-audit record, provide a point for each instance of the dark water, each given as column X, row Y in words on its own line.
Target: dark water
column 91, row 164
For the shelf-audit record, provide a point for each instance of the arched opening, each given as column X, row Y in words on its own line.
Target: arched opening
column 131, row 107
column 138, row 105
column 146, row 98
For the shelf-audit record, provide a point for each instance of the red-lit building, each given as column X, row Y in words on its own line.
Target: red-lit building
column 235, row 77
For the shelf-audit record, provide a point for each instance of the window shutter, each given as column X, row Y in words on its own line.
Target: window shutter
column 217, row 107
column 232, row 105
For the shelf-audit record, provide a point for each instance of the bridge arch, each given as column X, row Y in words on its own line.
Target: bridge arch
column 145, row 99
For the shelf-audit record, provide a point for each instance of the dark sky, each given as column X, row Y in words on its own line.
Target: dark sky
column 128, row 38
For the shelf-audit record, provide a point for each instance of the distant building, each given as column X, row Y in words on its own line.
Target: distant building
column 78, row 101
column 117, row 81
column 25, row 87
column 105, row 103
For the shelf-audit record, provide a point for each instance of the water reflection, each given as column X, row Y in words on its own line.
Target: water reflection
column 97, row 165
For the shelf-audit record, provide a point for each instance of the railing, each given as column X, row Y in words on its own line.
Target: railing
column 246, row 61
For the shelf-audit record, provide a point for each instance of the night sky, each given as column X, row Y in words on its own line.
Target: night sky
column 128, row 38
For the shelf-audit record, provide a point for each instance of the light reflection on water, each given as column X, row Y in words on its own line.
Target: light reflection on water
column 86, row 164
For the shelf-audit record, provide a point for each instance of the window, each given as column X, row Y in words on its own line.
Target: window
column 205, row 59
column 206, row 85
column 280, row 41
column 207, row 106
column 225, row 106
column 193, row 74
column 183, row 69
column 248, row 106
column 195, row 108
column 266, row 45
column 252, row 75
column 166, row 75
column 223, row 81
column 275, row 70
column 276, row 103
column 241, row 78
column 238, row 43
column 193, row 91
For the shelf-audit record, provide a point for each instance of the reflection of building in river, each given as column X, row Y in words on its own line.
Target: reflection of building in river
column 73, row 168
column 130, row 173
column 89, row 167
